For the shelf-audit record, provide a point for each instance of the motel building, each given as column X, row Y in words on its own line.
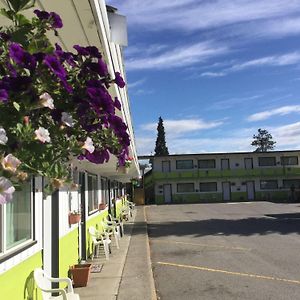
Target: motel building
column 35, row 231
column 223, row 177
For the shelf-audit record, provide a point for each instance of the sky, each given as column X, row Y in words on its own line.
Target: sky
column 215, row 71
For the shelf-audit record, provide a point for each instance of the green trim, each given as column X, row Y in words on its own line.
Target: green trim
column 223, row 174
column 18, row 283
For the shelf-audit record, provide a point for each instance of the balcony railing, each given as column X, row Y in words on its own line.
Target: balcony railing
column 226, row 174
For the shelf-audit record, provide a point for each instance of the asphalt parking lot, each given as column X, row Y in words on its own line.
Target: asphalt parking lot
column 225, row 251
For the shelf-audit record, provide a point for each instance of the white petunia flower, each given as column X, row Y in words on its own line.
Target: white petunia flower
column 3, row 137
column 89, row 145
column 67, row 119
column 46, row 101
column 6, row 190
column 42, row 135
column 10, row 163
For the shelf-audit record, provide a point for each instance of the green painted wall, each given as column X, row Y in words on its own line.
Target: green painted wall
column 280, row 196
column 18, row 283
column 68, row 252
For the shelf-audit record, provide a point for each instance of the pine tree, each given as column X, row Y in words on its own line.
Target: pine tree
column 160, row 145
column 263, row 141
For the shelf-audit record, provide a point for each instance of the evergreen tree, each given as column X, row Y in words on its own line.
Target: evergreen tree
column 263, row 141
column 160, row 145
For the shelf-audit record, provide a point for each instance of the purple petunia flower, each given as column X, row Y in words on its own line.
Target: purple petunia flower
column 55, row 20
column 102, row 68
column 17, row 53
column 41, row 14
column 81, row 50
column 117, row 103
column 98, row 156
column 119, row 80
column 55, row 66
column 3, row 95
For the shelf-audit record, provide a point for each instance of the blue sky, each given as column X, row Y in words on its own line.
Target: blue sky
column 215, row 71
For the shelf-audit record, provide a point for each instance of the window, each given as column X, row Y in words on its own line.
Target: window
column 206, row 164
column 166, row 166
column 268, row 184
column 208, row 187
column 289, row 160
column 92, row 193
column 184, row 164
column 266, row 161
column 18, row 216
column 185, row 187
column 104, row 190
column 287, row 183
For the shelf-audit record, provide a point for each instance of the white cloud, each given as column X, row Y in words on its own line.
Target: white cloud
column 179, row 57
column 190, row 15
column 275, row 60
column 287, row 138
column 213, row 74
column 183, row 126
column 281, row 111
column 137, row 83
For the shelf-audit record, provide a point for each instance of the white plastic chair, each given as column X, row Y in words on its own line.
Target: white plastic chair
column 99, row 240
column 110, row 228
column 43, row 281
column 117, row 222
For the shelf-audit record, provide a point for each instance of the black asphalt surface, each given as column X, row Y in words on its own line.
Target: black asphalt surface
column 225, row 251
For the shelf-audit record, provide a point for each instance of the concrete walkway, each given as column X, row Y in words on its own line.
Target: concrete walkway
column 128, row 273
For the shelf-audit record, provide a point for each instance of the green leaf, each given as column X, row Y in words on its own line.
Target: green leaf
column 7, row 13
column 16, row 106
column 22, row 20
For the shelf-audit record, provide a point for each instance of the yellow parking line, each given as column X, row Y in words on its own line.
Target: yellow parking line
column 202, row 245
column 230, row 272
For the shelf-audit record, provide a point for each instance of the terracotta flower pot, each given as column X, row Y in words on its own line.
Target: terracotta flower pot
column 102, row 206
column 74, row 218
column 123, row 170
column 80, row 274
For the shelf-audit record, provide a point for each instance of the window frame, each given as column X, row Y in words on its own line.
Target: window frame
column 268, row 188
column 209, row 182
column 184, row 160
column 263, row 165
column 285, row 164
column 96, row 195
column 5, row 253
column 187, row 183
column 212, row 159
column 291, row 179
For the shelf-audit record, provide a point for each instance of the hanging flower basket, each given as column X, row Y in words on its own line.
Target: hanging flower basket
column 80, row 274
column 123, row 169
column 74, row 218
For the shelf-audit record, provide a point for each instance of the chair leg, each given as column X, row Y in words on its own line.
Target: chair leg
column 106, row 250
column 116, row 235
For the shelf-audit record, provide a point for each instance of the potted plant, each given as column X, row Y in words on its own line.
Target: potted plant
column 102, row 206
column 74, row 217
column 124, row 167
column 80, row 274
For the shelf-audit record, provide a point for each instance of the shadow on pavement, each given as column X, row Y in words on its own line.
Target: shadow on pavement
column 280, row 224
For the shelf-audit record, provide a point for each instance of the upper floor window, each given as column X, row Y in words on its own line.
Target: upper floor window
column 206, row 163
column 92, row 192
column 268, row 184
column 288, row 183
column 267, row 161
column 208, row 187
column 185, row 187
column 289, row 160
column 184, row 164
column 166, row 166
column 16, row 220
